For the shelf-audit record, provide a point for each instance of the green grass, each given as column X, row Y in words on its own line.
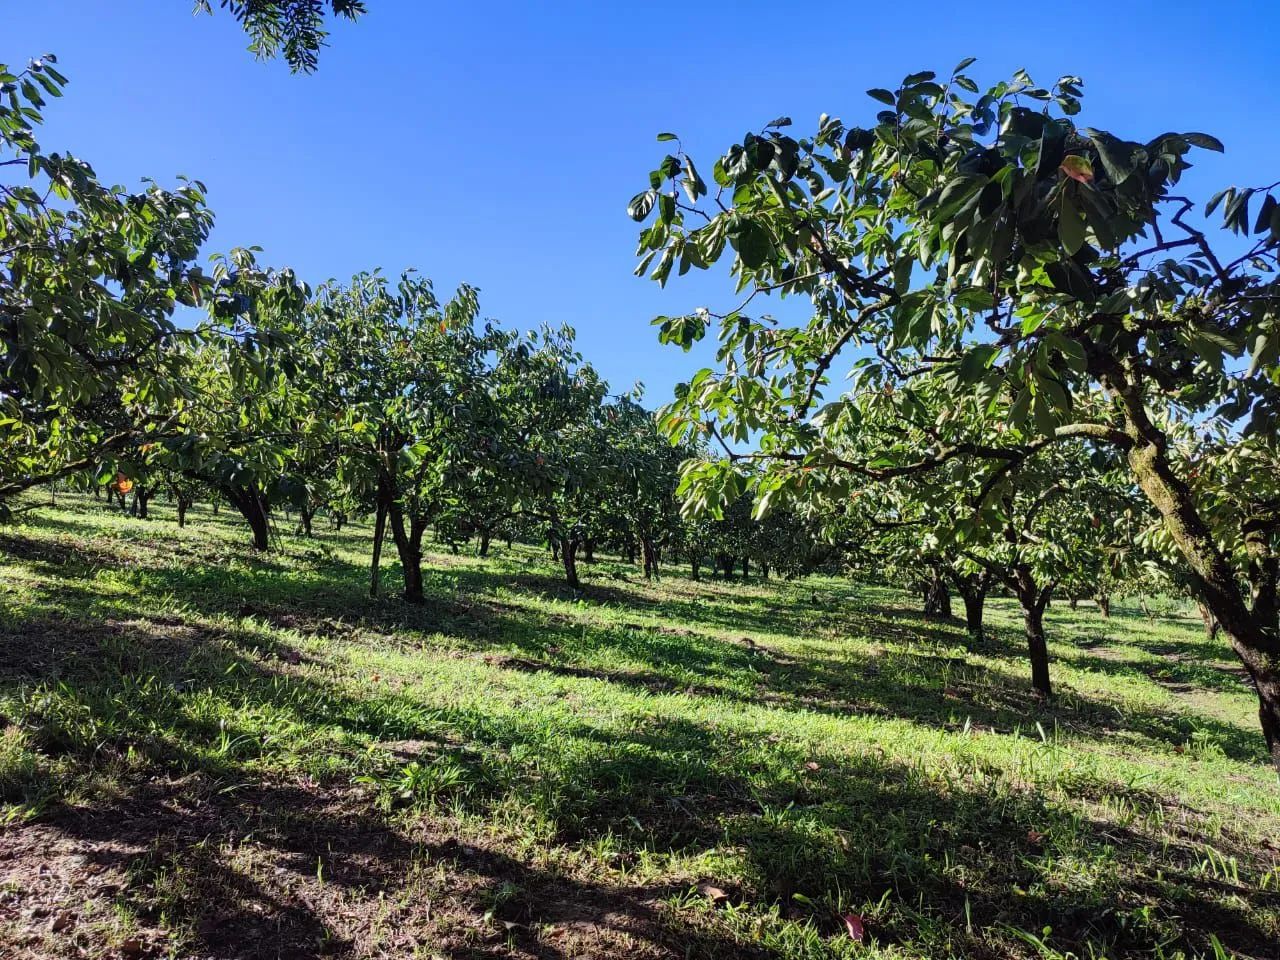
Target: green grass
column 204, row 752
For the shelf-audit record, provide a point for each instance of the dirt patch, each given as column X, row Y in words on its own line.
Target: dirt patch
column 296, row 870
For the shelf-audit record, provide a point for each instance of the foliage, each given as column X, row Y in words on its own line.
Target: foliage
column 293, row 29
column 1046, row 269
column 95, row 361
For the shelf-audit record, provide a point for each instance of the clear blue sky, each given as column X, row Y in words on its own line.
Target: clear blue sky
column 498, row 142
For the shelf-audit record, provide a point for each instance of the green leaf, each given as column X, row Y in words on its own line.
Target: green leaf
column 884, row 96
column 1204, row 142
column 641, row 204
column 1119, row 158
column 1071, row 230
column 662, row 137
column 753, row 245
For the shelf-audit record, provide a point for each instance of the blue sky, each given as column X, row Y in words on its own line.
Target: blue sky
column 498, row 142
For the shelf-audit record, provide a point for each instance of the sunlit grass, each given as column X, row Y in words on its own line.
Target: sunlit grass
column 810, row 748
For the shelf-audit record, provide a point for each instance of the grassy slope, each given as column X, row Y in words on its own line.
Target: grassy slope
column 209, row 753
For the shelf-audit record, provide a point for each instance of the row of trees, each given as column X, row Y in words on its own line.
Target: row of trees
column 1043, row 320
column 124, row 360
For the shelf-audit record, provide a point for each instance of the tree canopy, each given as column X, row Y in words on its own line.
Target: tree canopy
column 988, row 241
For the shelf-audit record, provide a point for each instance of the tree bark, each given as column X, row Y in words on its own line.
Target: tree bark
column 1104, row 604
column 307, row 514
column 253, row 507
column 379, row 532
column 1253, row 632
column 1210, row 622
column 694, row 568
column 650, row 554
column 569, row 554
column 1033, row 601
column 408, row 543
column 483, row 549
column 937, row 599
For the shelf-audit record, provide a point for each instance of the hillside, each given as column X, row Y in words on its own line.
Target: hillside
column 212, row 753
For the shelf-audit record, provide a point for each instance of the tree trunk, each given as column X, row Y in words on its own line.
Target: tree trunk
column 1104, row 604
column 694, row 565
column 379, row 532
column 1210, row 622
column 555, row 549
column 746, row 569
column 1253, row 631
column 307, row 514
column 569, row 553
column 972, row 588
column 483, row 549
column 1073, row 601
column 253, row 507
column 937, row 599
column 1033, row 600
column 764, row 571
column 589, row 550
column 409, row 547
column 184, row 504
column 650, row 555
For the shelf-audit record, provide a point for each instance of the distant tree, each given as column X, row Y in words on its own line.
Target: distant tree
column 398, row 376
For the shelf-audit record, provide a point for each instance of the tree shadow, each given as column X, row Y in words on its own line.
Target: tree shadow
column 246, row 867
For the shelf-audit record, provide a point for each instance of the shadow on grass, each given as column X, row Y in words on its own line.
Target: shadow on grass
column 239, row 866
column 292, row 869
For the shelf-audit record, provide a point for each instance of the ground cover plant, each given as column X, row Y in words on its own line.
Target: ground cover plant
column 209, row 751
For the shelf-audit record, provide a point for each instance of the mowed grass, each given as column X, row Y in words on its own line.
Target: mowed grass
column 210, row 753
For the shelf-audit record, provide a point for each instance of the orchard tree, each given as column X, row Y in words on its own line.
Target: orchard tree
column 641, row 500
column 94, row 363
column 989, row 236
column 398, row 376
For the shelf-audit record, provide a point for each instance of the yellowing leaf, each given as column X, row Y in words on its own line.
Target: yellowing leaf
column 1078, row 169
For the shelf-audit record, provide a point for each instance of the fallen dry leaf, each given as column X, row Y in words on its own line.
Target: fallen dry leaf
column 712, row 893
column 855, row 926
